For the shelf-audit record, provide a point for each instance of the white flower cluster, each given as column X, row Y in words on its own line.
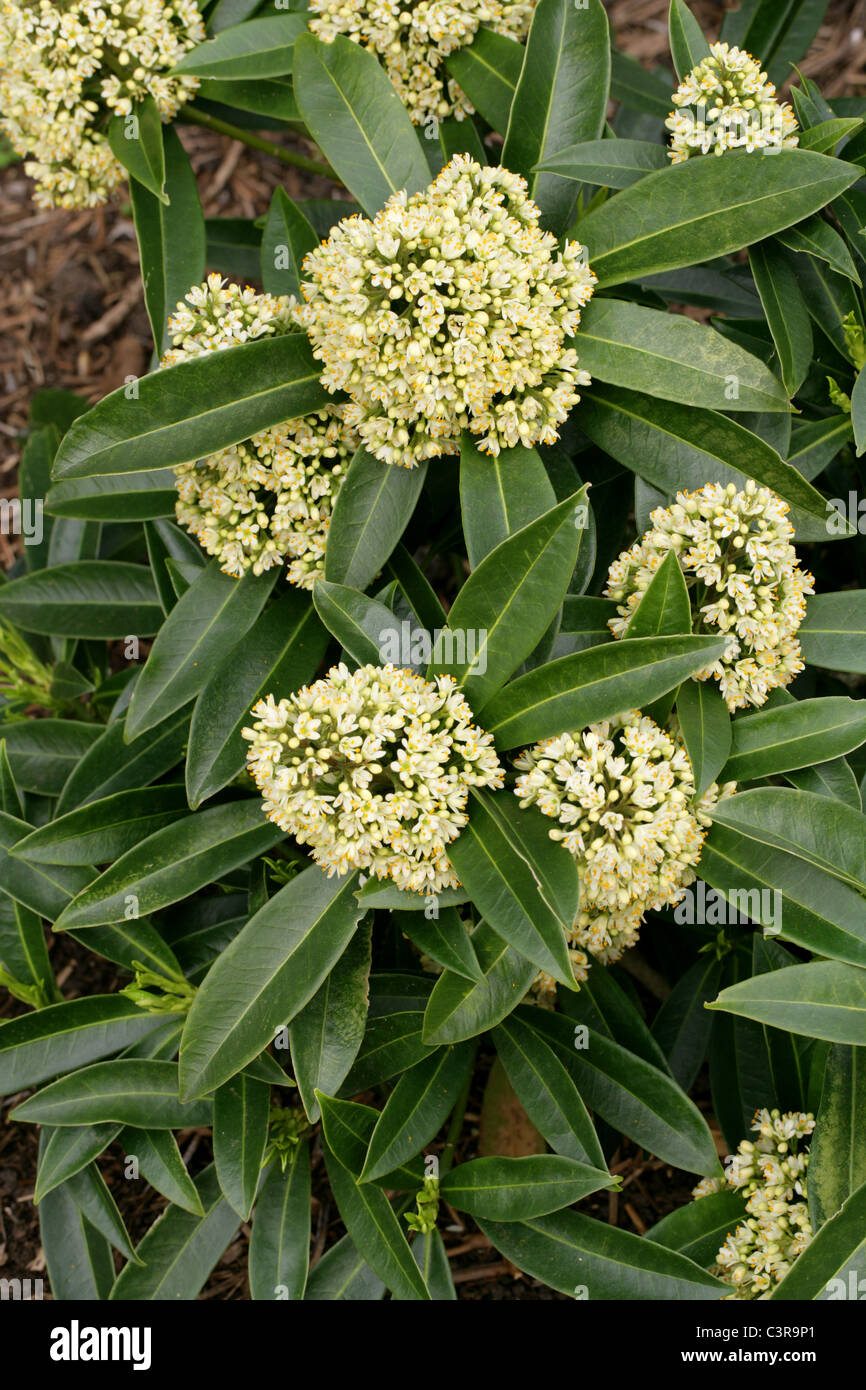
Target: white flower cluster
column 449, row 311
column 728, row 103
column 269, row 499
column 414, row 41
column 771, row 1173
column 66, row 69
column 372, row 769
column 623, row 795
column 735, row 551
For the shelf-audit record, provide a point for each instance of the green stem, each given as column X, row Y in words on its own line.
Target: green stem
column 255, row 142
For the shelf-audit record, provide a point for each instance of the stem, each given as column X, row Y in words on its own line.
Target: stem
column 255, row 142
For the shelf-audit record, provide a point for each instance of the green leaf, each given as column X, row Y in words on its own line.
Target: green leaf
column 342, row 1274
column 372, row 1226
column 416, row 1108
column 136, row 141
column 834, row 1262
column 688, row 45
column 488, row 70
column 64, row 1152
column 180, row 1249
column 358, row 121
column 44, row 890
column 560, row 99
column 159, row 1162
column 195, row 408
column 266, row 975
column 171, row 243
column 629, row 1093
column 704, row 208
column 443, row 938
column 595, row 684
column 121, row 497
column 521, row 881
column 547, row 1092
column 825, row 136
column 665, row 609
column 782, row 33
column 240, row 1133
column 127, row 1091
column 363, row 627
column 785, row 310
column 63, row 1037
column 607, row 163
column 507, row 603
column 193, row 642
column 823, row 831
column 677, row 447
column 833, row 632
column 638, row 90
column 92, row 1197
column 173, row 863
column 682, row 1026
column 280, row 1243
column 817, row 238
column 706, row 728
column 392, row 1040
column 515, row 1189
column 837, row 1156
column 103, row 830
column 786, row 895
column 78, row 1258
column 371, row 512
column 592, row 1259
column 327, row 1033
column 257, row 48
column 286, row 240
column 459, row 1009
column 673, row 357
column 500, row 495
column 112, row 765
column 858, row 412
column 431, row 1257
column 797, row 735
column 276, row 655
column 825, row 999
column 699, row 1229
column 43, row 752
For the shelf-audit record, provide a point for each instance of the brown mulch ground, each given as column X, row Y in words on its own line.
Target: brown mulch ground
column 72, row 315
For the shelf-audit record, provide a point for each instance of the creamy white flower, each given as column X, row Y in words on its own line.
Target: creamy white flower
column 461, row 322
column 623, row 794
column 414, row 41
column 66, row 69
column 728, row 103
column 735, row 551
column 268, row 500
column 771, row 1173
column 372, row 769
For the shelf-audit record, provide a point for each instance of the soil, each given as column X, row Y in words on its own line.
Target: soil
column 72, row 315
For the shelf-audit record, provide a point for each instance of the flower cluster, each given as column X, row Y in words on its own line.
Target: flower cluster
column 728, row 103
column 68, row 68
column 771, row 1174
column 414, row 41
column 449, row 311
column 623, row 795
column 372, row 769
column 735, row 551
column 269, row 499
